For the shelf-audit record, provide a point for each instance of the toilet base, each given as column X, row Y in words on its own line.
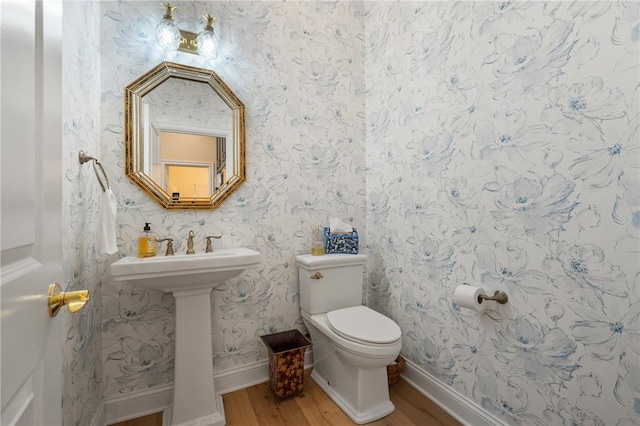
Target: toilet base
column 362, row 393
column 373, row 413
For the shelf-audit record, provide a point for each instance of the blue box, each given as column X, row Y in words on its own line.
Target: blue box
column 341, row 243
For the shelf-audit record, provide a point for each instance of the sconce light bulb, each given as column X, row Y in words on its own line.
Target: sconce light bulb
column 206, row 40
column 167, row 32
column 168, row 35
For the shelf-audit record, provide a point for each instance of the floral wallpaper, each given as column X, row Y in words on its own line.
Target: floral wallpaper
column 297, row 66
column 493, row 143
column 502, row 150
column 83, row 266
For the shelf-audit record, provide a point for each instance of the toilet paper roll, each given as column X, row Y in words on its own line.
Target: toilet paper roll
column 467, row 296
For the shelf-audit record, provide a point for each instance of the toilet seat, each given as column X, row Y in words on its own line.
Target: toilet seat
column 363, row 325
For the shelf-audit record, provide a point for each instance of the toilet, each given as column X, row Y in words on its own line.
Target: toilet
column 352, row 344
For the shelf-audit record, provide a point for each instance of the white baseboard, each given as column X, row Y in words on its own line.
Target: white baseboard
column 241, row 377
column 136, row 404
column 458, row 406
column 141, row 403
column 100, row 416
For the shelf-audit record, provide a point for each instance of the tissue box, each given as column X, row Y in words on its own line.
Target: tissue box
column 341, row 243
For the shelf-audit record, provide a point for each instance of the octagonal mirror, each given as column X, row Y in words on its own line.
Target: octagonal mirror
column 184, row 137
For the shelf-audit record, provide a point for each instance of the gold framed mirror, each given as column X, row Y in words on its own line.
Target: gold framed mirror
column 184, row 137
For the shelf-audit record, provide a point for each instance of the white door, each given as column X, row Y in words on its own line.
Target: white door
column 30, row 235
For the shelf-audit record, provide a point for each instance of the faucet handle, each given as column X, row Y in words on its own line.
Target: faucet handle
column 209, row 248
column 169, row 245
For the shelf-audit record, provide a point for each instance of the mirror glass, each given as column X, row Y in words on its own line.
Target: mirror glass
column 184, row 137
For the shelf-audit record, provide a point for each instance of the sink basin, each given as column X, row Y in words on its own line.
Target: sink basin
column 185, row 271
column 190, row 278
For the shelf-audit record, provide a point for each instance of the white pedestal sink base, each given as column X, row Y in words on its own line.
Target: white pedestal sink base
column 217, row 419
column 190, row 278
column 195, row 401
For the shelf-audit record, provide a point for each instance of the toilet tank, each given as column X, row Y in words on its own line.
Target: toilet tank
column 339, row 282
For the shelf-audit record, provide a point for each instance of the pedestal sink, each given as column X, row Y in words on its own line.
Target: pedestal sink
column 190, row 278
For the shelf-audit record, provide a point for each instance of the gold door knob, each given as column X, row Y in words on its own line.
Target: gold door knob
column 317, row 276
column 74, row 300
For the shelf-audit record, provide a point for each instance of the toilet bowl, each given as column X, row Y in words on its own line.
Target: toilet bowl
column 352, row 344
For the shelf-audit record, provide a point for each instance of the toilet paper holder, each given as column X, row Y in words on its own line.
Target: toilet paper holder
column 498, row 296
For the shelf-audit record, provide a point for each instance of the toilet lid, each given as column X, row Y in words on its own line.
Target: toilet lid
column 360, row 323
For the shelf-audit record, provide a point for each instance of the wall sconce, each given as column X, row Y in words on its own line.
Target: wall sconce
column 170, row 37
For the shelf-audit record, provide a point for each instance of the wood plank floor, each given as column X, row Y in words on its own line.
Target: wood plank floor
column 150, row 420
column 256, row 406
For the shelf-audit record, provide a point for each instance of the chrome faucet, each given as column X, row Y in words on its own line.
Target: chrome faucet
column 190, row 249
column 209, row 248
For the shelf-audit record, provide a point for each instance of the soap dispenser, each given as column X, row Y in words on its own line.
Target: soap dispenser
column 147, row 242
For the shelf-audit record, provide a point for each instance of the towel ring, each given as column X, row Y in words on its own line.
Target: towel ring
column 83, row 157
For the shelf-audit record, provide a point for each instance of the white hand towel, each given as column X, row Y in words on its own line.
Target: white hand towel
column 107, row 223
column 337, row 226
